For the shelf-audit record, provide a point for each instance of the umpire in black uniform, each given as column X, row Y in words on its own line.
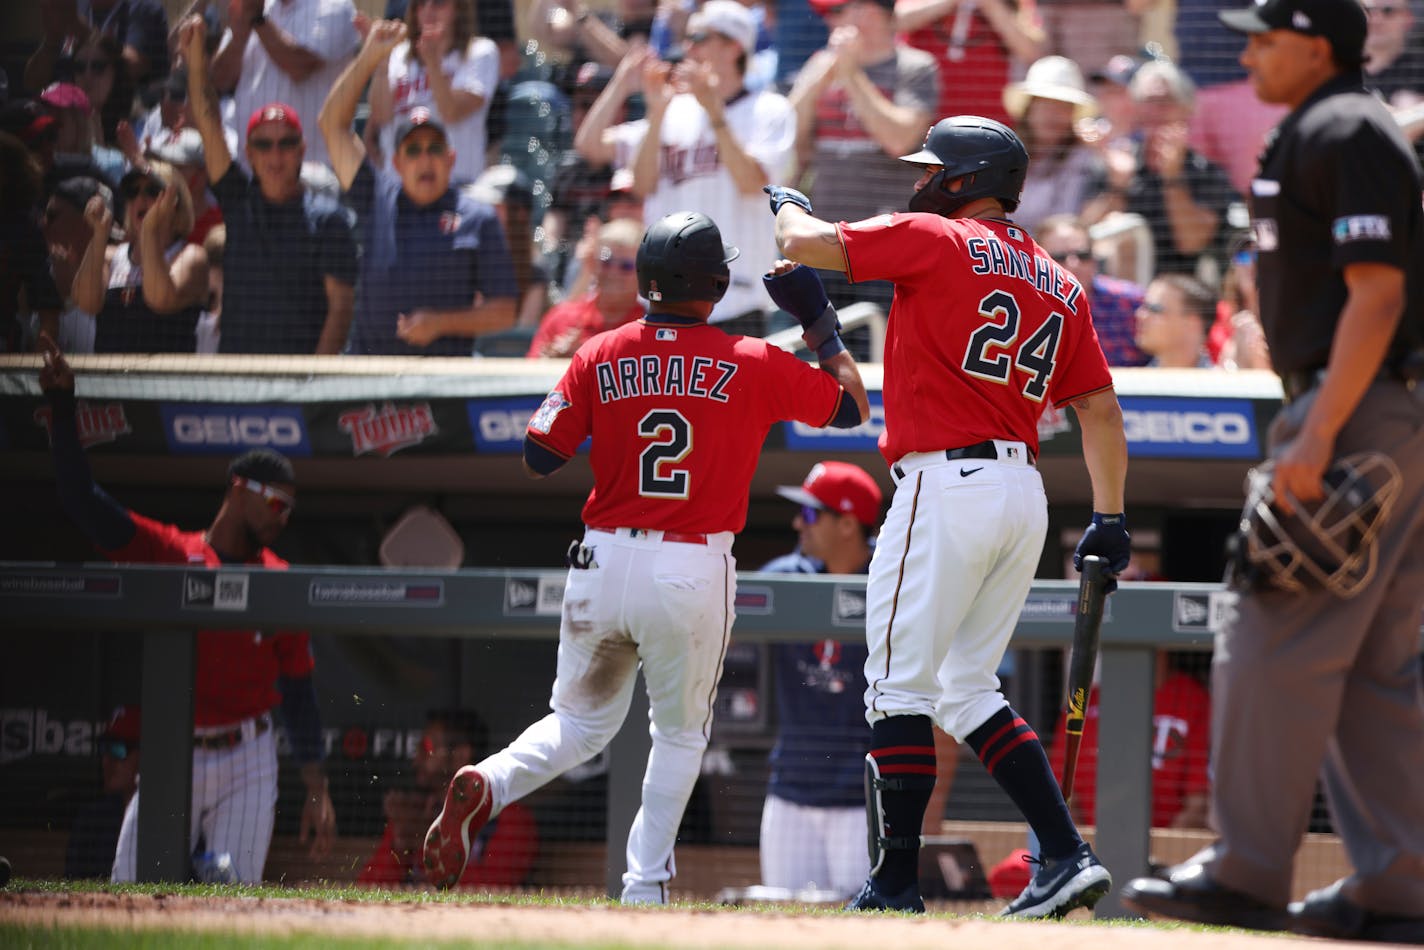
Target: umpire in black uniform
column 1325, row 678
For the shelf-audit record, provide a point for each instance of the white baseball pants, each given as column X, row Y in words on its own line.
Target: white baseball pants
column 803, row 846
column 668, row 606
column 954, row 563
column 234, row 805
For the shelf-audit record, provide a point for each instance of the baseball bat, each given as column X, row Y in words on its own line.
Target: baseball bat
column 1086, row 626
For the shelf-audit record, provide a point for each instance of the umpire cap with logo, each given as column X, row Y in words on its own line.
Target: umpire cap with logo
column 1342, row 22
column 988, row 152
column 682, row 258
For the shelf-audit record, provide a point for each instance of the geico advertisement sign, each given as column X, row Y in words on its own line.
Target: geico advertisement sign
column 217, row 429
column 498, row 424
column 1190, row 428
column 863, row 438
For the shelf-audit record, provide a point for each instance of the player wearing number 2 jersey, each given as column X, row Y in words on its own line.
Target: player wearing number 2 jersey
column 984, row 330
column 678, row 411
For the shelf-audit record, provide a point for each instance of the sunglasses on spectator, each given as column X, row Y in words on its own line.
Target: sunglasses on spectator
column 1382, row 11
column 287, row 143
column 176, row 95
column 606, row 259
column 415, row 149
column 1153, row 307
column 150, row 188
column 278, row 501
column 1064, row 257
column 809, row 513
column 94, row 67
column 114, row 749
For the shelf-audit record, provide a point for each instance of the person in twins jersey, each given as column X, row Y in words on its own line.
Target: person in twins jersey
column 984, row 330
column 706, row 142
column 240, row 674
column 678, row 411
column 445, row 67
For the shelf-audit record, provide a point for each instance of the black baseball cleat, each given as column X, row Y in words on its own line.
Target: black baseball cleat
column 870, row 898
column 1188, row 893
column 1328, row 913
column 1079, row 880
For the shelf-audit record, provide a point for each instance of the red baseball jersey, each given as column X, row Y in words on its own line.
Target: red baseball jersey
column 678, row 412
column 984, row 328
column 237, row 670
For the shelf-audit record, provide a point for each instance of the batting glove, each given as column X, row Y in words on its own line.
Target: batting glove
column 1106, row 537
column 781, row 195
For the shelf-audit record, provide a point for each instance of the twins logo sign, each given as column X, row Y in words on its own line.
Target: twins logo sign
column 98, row 422
column 387, row 430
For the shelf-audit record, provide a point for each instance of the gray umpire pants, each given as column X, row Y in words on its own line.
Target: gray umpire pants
column 1301, row 681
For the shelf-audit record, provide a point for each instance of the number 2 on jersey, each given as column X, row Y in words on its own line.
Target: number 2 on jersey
column 1035, row 356
column 672, row 435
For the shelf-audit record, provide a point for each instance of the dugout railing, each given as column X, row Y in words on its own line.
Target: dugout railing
column 168, row 604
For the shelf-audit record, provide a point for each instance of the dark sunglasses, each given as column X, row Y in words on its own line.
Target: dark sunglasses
column 176, row 95
column 809, row 513
column 287, row 143
column 94, row 67
column 150, row 188
column 415, row 149
column 606, row 259
column 114, row 749
column 1066, row 256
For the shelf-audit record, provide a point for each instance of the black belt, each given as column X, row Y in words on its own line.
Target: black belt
column 1408, row 369
column 979, row 450
column 226, row 740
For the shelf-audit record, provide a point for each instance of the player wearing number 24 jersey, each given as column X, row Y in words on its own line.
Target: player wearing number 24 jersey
column 678, row 411
column 985, row 330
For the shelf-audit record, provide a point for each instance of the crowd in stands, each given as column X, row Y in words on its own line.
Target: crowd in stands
column 296, row 176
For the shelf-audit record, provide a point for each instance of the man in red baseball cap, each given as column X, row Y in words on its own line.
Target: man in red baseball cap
column 94, row 837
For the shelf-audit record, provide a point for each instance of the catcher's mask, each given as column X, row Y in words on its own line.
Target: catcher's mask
column 1328, row 544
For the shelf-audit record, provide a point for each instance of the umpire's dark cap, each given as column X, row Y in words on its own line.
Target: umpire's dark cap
column 1342, row 22
column 267, row 466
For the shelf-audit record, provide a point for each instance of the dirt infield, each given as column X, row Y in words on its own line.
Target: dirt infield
column 602, row 924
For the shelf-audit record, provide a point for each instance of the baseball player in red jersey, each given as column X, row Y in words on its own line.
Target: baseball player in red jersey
column 984, row 331
column 678, row 411
column 241, row 674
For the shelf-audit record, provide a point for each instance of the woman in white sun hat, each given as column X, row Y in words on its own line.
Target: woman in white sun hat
column 1045, row 109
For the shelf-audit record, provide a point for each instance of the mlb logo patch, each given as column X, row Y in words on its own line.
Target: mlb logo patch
column 666, row 335
column 1014, row 234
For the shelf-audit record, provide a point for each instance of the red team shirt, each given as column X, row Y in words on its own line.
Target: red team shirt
column 984, row 328
column 678, row 412
column 237, row 670
column 1181, row 748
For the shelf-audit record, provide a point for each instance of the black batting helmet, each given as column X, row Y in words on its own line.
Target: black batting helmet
column 969, row 145
column 682, row 258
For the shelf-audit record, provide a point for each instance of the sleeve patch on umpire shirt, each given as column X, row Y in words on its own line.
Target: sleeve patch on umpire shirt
column 543, row 419
column 1361, row 227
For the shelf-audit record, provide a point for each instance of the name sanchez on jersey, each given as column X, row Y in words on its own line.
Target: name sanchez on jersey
column 629, row 377
column 992, row 256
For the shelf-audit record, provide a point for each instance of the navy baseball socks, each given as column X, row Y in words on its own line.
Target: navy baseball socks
column 1069, row 875
column 900, row 775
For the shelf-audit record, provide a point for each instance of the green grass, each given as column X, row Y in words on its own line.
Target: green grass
column 15, row 937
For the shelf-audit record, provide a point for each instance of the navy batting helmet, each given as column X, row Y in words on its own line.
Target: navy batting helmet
column 988, row 152
column 682, row 258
